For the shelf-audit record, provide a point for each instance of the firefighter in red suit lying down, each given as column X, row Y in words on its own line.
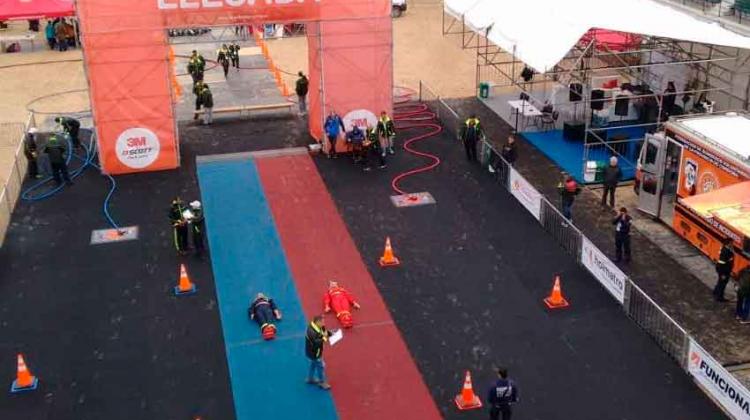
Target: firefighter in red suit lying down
column 264, row 311
column 341, row 301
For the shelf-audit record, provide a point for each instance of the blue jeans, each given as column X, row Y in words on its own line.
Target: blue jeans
column 743, row 306
column 317, row 370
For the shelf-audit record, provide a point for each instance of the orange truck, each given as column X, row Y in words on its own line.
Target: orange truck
column 695, row 176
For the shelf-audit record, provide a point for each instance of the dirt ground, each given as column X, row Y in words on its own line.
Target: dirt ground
column 417, row 46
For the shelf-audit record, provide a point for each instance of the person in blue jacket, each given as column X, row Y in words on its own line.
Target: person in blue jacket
column 333, row 127
column 502, row 395
column 49, row 33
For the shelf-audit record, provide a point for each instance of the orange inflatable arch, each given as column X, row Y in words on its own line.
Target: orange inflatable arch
column 126, row 53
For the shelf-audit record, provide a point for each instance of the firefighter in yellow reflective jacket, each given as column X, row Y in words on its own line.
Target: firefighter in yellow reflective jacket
column 386, row 132
column 470, row 134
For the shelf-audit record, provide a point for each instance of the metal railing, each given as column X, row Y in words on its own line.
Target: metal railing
column 638, row 306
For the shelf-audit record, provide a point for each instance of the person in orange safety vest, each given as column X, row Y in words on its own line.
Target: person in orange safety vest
column 341, row 301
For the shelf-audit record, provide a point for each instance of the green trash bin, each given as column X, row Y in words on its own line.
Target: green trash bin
column 484, row 90
column 600, row 166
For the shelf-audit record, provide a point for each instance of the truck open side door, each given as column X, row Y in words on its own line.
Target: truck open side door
column 651, row 164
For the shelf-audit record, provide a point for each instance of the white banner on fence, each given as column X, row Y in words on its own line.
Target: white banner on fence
column 722, row 386
column 525, row 193
column 611, row 277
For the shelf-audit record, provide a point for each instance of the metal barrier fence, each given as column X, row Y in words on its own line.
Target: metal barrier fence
column 672, row 338
column 638, row 306
column 444, row 112
column 11, row 139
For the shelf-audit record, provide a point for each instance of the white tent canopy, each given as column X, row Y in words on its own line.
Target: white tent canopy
column 543, row 31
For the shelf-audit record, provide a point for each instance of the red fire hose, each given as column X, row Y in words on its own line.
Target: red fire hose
column 408, row 116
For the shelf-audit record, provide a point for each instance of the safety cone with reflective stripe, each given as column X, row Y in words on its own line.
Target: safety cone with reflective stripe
column 555, row 299
column 185, row 286
column 388, row 259
column 467, row 399
column 25, row 381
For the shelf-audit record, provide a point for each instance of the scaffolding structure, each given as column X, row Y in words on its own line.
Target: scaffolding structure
column 714, row 73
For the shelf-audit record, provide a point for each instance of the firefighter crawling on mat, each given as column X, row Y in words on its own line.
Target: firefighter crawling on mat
column 341, row 301
column 264, row 311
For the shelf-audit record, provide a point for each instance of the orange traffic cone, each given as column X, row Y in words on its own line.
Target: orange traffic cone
column 467, row 400
column 388, row 259
column 25, row 381
column 555, row 299
column 185, row 286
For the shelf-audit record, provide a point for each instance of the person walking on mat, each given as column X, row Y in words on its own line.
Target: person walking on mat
column 315, row 337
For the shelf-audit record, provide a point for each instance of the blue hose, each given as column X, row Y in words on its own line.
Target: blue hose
column 86, row 161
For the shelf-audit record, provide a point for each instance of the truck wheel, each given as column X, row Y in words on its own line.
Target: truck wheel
column 396, row 12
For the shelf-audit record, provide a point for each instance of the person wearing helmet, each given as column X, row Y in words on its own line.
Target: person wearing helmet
column 56, row 150
column 263, row 310
column 179, row 226
column 71, row 126
column 341, row 301
column 222, row 57
column 197, row 227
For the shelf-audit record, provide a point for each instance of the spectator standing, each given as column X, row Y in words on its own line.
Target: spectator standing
column 62, row 44
column 501, row 396
column 301, row 89
column 622, row 234
column 724, row 267
column 30, row 151
column 333, row 127
column 315, row 337
column 49, row 33
column 612, row 175
column 509, row 152
column 568, row 192
column 743, row 296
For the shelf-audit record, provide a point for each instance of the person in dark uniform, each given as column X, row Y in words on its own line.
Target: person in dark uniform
column 356, row 138
column 197, row 227
column 222, row 57
column 234, row 55
column 622, row 234
column 501, row 396
column 198, row 92
column 509, row 150
column 470, row 134
column 179, row 226
column 196, row 67
column 71, row 126
column 372, row 148
column 30, row 151
column 724, row 267
column 315, row 336
column 263, row 310
column 56, row 150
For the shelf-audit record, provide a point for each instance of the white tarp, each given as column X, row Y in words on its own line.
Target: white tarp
column 543, row 31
